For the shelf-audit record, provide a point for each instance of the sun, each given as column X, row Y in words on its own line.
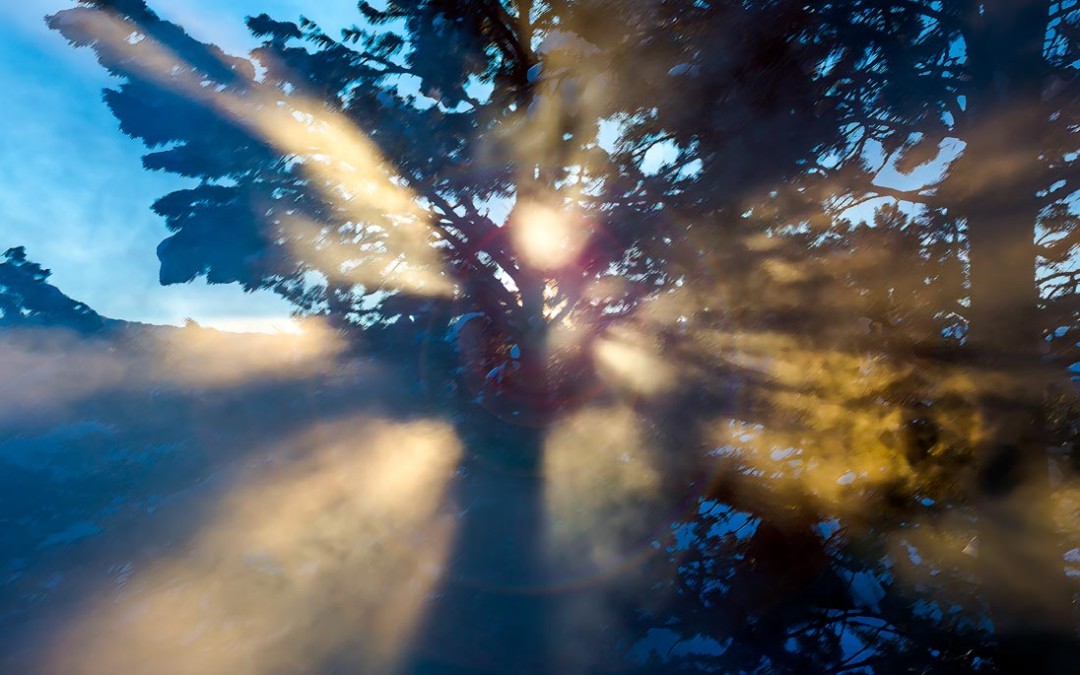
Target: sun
column 547, row 237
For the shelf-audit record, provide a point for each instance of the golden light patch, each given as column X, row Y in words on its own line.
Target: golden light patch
column 207, row 358
column 632, row 361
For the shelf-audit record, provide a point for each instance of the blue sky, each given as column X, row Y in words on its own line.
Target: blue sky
column 72, row 188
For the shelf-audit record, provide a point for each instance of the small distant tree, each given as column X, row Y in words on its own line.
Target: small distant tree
column 28, row 300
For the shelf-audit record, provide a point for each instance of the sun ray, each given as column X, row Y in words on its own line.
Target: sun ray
column 328, row 556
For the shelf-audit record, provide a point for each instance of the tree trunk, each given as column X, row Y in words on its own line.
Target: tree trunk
column 492, row 612
column 533, row 383
column 995, row 182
